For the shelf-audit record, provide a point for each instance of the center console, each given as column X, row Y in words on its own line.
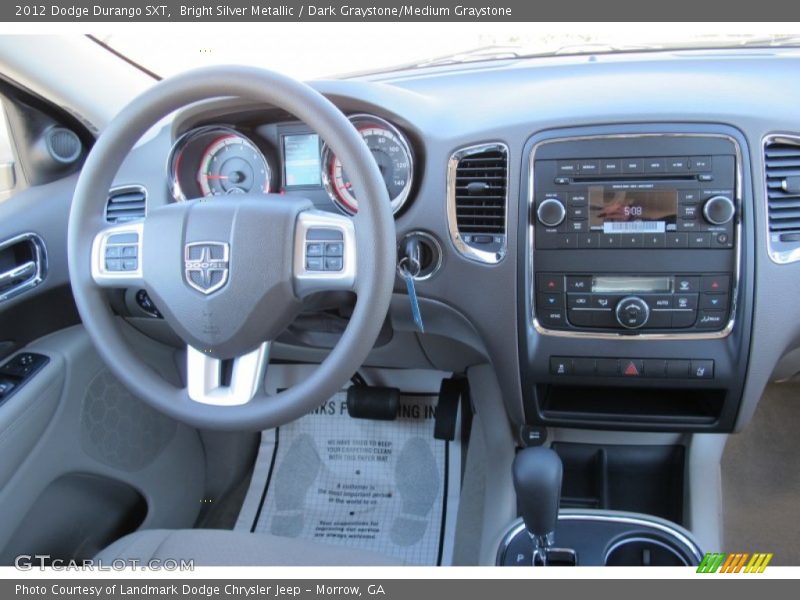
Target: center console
column 633, row 285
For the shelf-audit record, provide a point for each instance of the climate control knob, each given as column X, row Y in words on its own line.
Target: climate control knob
column 632, row 312
column 719, row 210
column 551, row 212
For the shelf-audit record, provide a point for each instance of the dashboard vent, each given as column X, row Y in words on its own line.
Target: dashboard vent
column 126, row 204
column 481, row 182
column 782, row 169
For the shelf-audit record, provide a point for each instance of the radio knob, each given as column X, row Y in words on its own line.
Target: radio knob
column 632, row 312
column 551, row 213
column 719, row 210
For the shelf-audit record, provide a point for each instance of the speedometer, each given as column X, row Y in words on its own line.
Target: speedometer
column 217, row 161
column 392, row 153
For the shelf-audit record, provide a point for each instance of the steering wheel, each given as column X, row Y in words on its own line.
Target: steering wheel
column 229, row 275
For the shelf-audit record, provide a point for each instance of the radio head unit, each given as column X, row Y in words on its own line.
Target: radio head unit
column 634, row 235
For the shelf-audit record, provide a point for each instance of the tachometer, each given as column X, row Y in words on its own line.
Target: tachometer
column 392, row 153
column 217, row 161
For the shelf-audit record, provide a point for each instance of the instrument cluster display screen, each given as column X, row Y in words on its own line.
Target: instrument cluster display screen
column 620, row 210
column 301, row 159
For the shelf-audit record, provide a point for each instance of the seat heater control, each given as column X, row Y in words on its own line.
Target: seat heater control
column 551, row 212
column 718, row 210
column 324, row 250
column 632, row 312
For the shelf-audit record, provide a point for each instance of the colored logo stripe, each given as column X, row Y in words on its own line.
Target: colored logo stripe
column 736, row 562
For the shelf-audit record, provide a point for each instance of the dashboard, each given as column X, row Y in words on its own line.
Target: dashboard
column 617, row 235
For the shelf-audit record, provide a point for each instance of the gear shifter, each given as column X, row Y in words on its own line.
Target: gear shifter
column 537, row 482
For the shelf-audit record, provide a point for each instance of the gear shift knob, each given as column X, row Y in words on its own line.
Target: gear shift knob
column 537, row 482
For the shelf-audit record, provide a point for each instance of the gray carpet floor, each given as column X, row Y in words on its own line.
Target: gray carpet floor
column 761, row 479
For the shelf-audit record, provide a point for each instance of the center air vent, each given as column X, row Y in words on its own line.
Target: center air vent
column 126, row 204
column 477, row 194
column 782, row 168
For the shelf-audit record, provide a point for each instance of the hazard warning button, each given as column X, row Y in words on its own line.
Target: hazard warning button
column 630, row 367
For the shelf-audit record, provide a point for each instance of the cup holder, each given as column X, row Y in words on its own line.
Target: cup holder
column 644, row 551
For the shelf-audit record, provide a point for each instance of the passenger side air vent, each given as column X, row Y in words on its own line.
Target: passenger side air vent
column 782, row 169
column 126, row 204
column 477, row 194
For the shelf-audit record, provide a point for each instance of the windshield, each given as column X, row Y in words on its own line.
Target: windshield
column 308, row 51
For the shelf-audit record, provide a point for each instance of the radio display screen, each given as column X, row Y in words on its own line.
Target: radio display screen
column 632, row 210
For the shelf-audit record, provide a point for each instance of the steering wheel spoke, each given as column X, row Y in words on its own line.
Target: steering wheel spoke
column 117, row 255
column 226, row 383
column 324, row 253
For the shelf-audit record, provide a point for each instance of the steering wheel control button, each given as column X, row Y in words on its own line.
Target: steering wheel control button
column 334, row 249
column 315, row 249
column 632, row 312
column 701, row 369
column 315, row 263
column 551, row 212
column 333, row 263
column 324, row 233
column 113, row 264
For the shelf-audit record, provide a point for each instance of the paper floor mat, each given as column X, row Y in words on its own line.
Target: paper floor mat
column 385, row 486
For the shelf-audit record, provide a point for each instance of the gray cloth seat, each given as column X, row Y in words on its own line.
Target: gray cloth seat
column 218, row 547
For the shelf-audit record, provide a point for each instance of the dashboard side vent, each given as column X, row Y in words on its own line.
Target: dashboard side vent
column 477, row 201
column 782, row 170
column 126, row 204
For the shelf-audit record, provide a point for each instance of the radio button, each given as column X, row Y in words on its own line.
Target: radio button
column 578, row 226
column 631, row 240
column 699, row 240
column 550, row 300
column 548, row 282
column 683, row 318
column 610, row 166
column 678, row 164
column 688, row 196
column 568, row 240
column 654, row 240
column 588, row 240
column 578, row 213
column 577, row 200
column 655, row 165
column 677, row 240
column 561, row 180
column 688, row 211
column 700, row 163
column 579, row 284
column 608, row 240
column 721, row 240
column 714, row 301
column 716, row 283
column 685, row 301
column 551, row 212
column 632, row 165
column 567, row 167
column 684, row 284
column 632, row 312
column 579, row 300
column 705, row 177
column 718, row 210
column 588, row 167
column 709, row 319
column 687, row 225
